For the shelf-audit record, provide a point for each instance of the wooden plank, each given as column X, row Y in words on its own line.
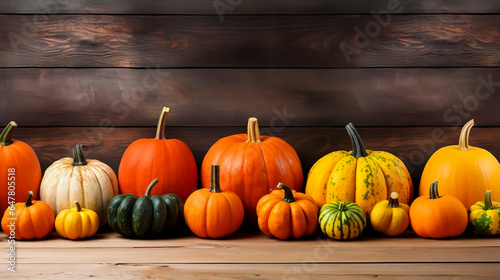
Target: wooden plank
column 250, row 237
column 228, row 97
column 413, row 145
column 366, row 249
column 258, row 271
column 244, row 7
column 249, row 41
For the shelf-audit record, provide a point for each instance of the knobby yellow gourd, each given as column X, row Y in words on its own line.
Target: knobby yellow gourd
column 390, row 217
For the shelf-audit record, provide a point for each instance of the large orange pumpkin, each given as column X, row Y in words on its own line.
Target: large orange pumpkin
column 463, row 171
column 20, row 169
column 253, row 165
column 169, row 160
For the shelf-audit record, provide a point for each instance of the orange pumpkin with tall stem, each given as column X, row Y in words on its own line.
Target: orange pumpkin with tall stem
column 19, row 169
column 252, row 166
column 169, row 160
column 464, row 171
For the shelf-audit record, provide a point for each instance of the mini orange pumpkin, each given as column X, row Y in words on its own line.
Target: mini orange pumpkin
column 29, row 220
column 213, row 213
column 464, row 171
column 169, row 160
column 293, row 214
column 253, row 165
column 437, row 216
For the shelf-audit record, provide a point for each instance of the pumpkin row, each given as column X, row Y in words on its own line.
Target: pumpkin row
column 252, row 165
column 284, row 214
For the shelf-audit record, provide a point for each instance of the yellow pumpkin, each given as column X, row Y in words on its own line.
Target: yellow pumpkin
column 360, row 176
column 77, row 222
column 76, row 179
column 390, row 217
column 464, row 171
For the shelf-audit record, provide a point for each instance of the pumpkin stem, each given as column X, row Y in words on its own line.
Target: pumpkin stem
column 463, row 141
column 7, row 132
column 358, row 148
column 29, row 199
column 393, row 200
column 288, row 197
column 78, row 157
column 487, row 201
column 253, row 131
column 150, row 187
column 215, row 179
column 433, row 190
column 78, row 206
column 160, row 129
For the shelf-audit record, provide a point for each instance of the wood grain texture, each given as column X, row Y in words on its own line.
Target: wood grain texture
column 413, row 145
column 244, row 6
column 425, row 271
column 249, row 41
column 228, row 97
column 191, row 249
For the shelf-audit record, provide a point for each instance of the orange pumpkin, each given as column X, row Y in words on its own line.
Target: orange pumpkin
column 29, row 220
column 253, row 165
column 19, row 169
column 293, row 214
column 463, row 171
column 169, row 160
column 438, row 216
column 213, row 213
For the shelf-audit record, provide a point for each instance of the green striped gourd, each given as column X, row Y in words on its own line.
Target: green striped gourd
column 484, row 217
column 342, row 220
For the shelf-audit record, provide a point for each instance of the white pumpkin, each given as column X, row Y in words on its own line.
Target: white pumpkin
column 90, row 182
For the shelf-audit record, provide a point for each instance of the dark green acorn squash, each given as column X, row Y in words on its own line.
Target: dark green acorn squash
column 145, row 216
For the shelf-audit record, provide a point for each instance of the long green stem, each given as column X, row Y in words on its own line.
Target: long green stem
column 358, row 148
column 7, row 132
column 78, row 157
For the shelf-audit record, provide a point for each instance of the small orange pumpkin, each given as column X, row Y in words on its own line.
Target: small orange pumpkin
column 213, row 213
column 464, row 171
column 29, row 220
column 253, row 165
column 293, row 214
column 437, row 216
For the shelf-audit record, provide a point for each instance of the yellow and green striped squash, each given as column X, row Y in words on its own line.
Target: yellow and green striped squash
column 342, row 220
column 361, row 176
column 484, row 217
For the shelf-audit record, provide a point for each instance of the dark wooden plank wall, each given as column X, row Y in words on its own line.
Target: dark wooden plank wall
column 407, row 73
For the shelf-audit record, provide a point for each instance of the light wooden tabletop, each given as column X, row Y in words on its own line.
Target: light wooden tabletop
column 252, row 255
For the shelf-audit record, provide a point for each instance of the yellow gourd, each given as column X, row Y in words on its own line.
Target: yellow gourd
column 390, row 217
column 77, row 222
